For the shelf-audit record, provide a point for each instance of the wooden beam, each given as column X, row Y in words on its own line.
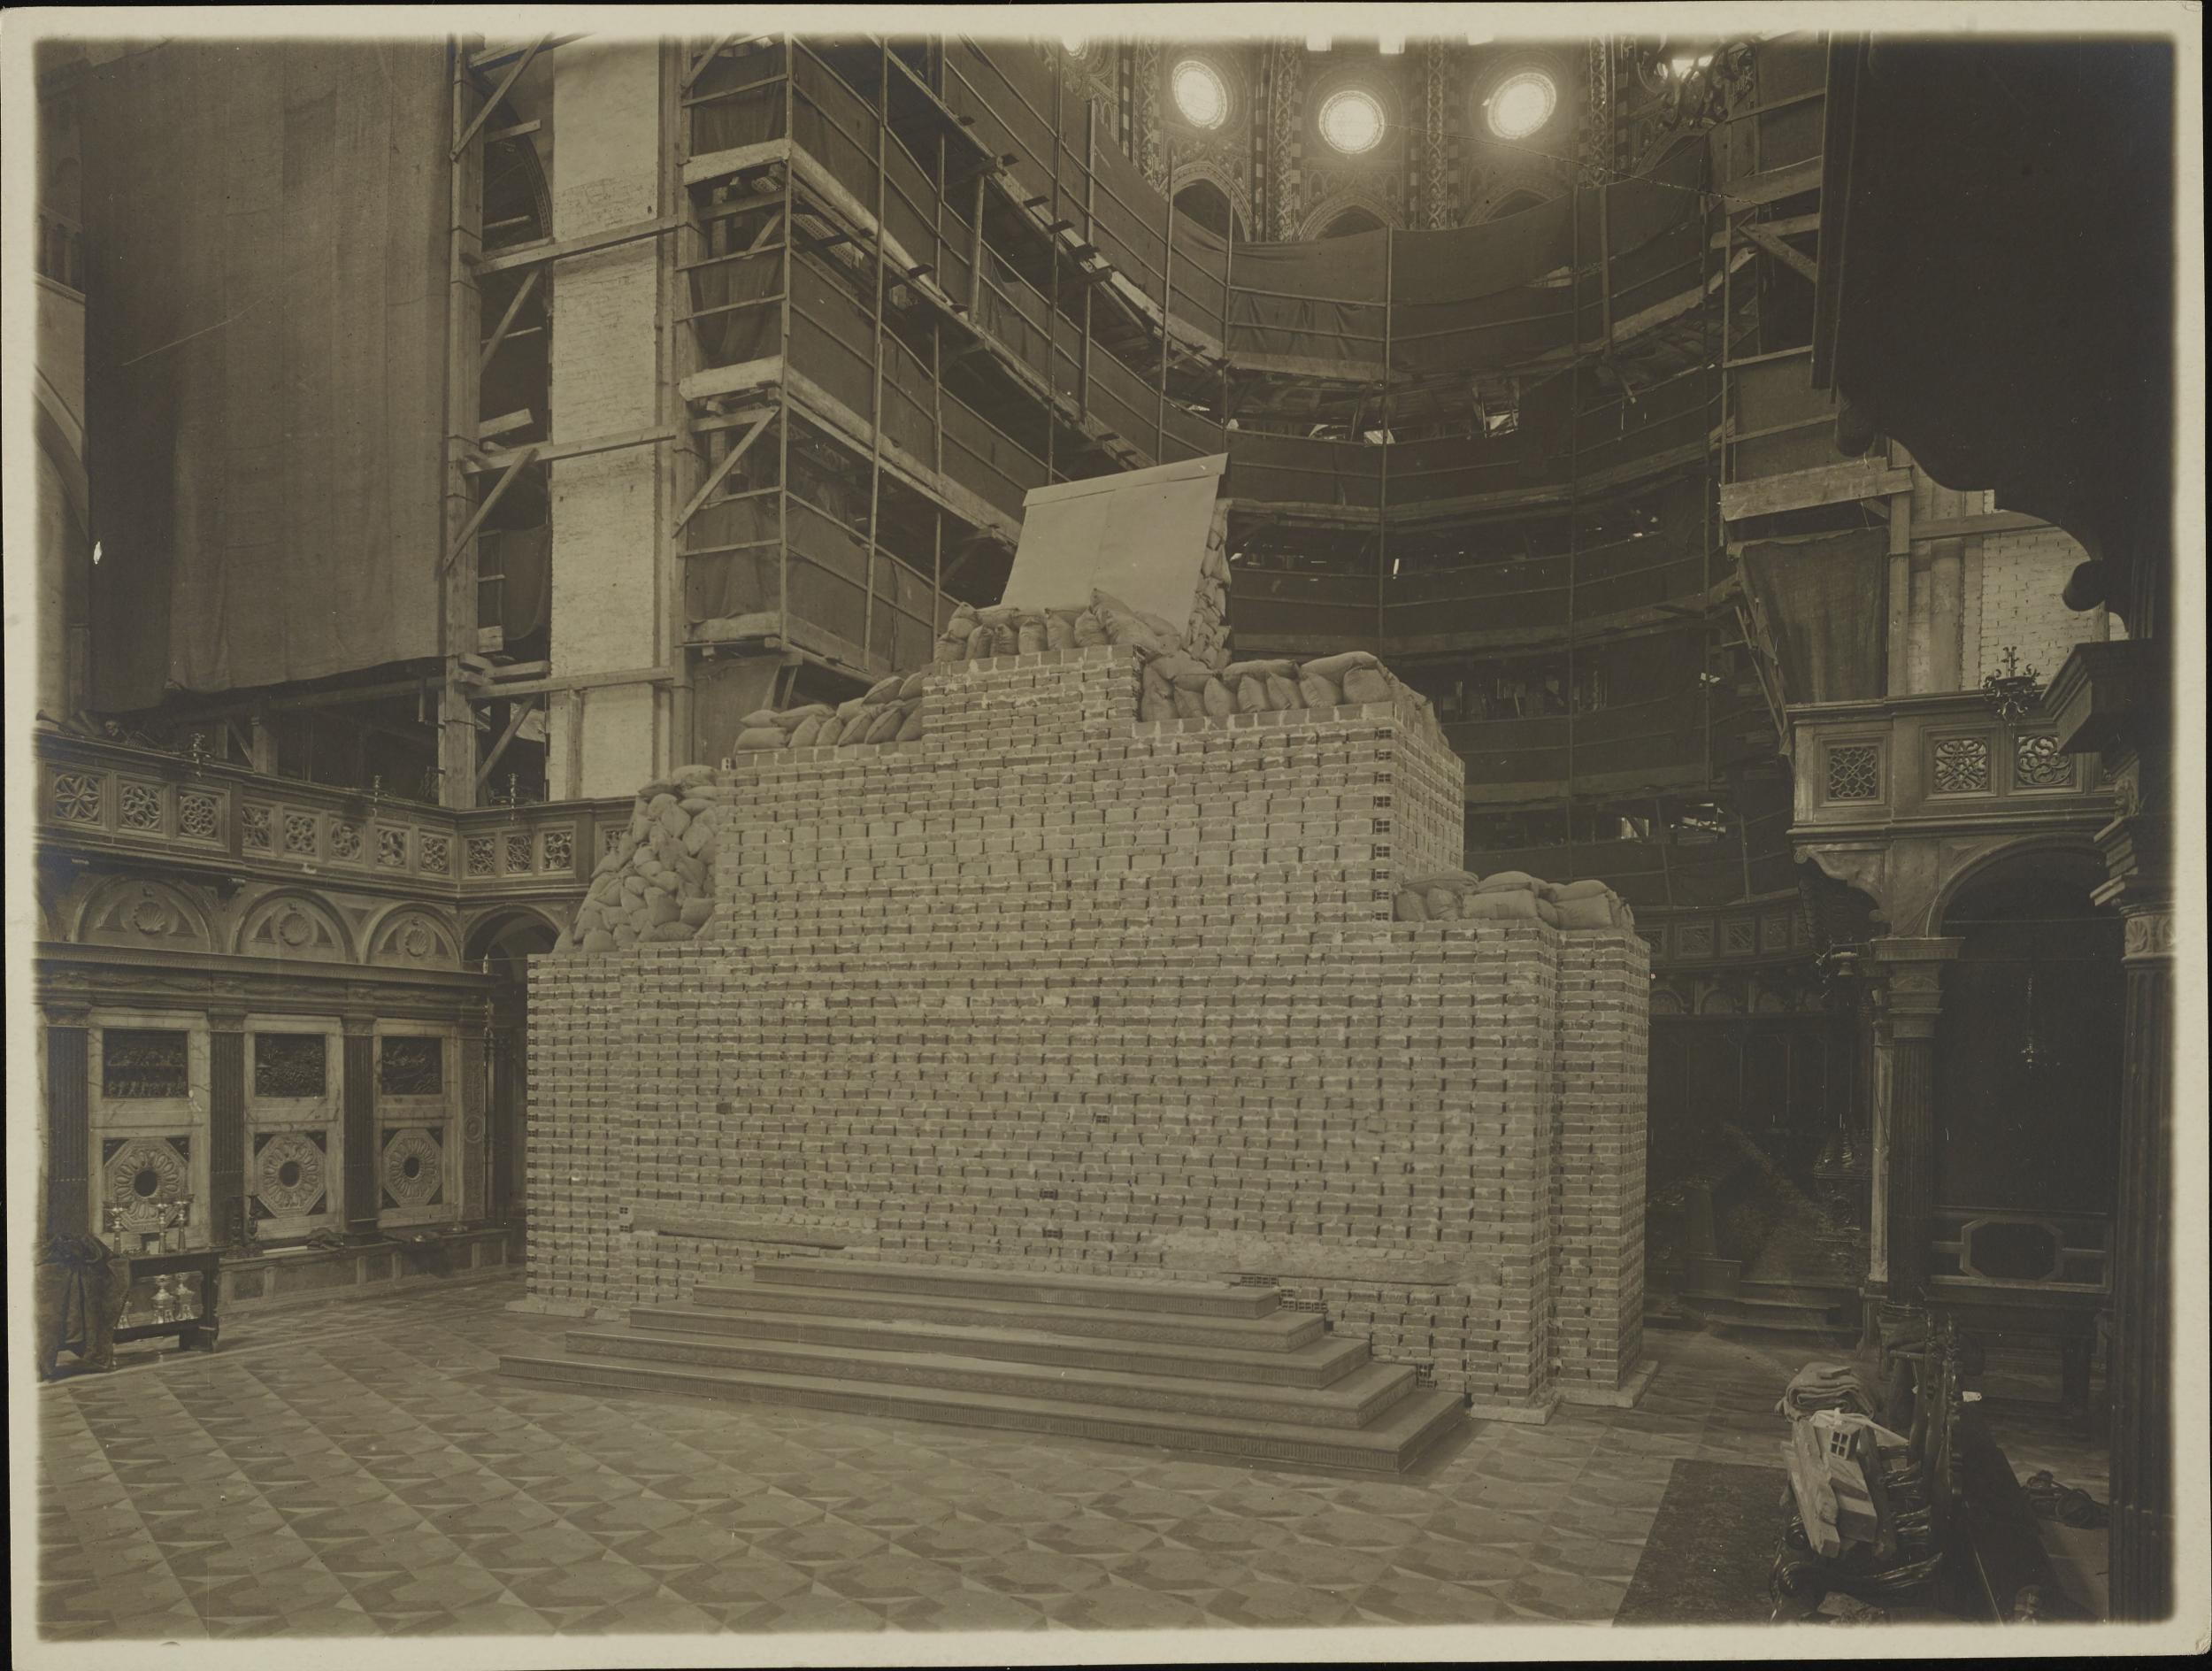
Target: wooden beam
column 544, row 452
column 1796, row 261
column 492, row 60
column 506, row 320
column 1801, row 490
column 492, row 98
column 561, row 249
column 1775, row 184
column 519, row 130
column 497, row 691
column 729, row 462
column 521, row 712
column 476, row 520
column 698, row 67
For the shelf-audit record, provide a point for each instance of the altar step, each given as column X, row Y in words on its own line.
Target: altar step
column 1213, row 1367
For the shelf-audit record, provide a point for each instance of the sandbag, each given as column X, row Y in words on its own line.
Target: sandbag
column 1185, row 670
column 1366, row 684
column 1251, row 695
column 913, row 728
column 1506, row 907
column 597, row 940
column 850, row 707
column 1460, row 881
column 1059, row 632
column 886, row 725
column 693, row 776
column 1590, row 911
column 1409, row 907
column 1154, row 706
column 982, row 642
column 1509, row 881
column 756, row 719
column 998, row 614
column 1334, row 668
column 1283, row 694
column 791, row 719
column 809, row 735
column 856, row 729
column 669, row 932
column 911, row 687
column 1237, row 670
column 1443, row 905
column 1590, row 887
column 1090, row 631
column 884, row 690
column 1318, row 692
column 1030, row 641
column 1189, row 705
column 761, row 736
column 1215, row 698
column 832, row 729
column 695, row 911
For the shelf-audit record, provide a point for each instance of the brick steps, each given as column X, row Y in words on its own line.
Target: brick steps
column 1239, row 1377
column 1317, row 1364
column 1211, row 1299
column 1280, row 1331
column 1353, row 1401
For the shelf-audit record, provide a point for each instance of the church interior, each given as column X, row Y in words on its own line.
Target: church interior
column 914, row 833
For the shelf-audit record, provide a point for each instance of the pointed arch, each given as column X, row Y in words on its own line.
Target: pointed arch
column 1337, row 203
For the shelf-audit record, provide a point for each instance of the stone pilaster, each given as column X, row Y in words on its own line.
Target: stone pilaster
column 225, row 1128
column 68, row 1118
column 360, row 1199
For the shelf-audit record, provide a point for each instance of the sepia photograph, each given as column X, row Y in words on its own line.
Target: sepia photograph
column 849, row 835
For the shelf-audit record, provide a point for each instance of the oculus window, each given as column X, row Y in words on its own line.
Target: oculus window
column 1521, row 104
column 1352, row 121
column 1200, row 93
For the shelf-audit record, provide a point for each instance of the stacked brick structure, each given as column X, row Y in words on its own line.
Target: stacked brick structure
column 1047, row 985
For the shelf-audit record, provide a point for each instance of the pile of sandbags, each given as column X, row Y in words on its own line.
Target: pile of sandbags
column 656, row 883
column 1510, row 896
column 890, row 712
column 1181, row 685
column 1207, row 635
column 1003, row 629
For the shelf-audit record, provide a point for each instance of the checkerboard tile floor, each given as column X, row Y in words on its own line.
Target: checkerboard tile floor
column 363, row 1469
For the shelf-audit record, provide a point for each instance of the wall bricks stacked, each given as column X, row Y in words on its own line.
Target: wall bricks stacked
column 1049, row 985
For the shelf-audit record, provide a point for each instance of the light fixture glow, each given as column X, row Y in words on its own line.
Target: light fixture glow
column 1352, row 121
column 1201, row 95
column 1521, row 104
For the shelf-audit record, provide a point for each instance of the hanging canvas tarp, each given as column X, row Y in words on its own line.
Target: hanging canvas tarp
column 266, row 401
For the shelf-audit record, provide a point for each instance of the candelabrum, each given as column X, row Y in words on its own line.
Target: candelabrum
column 2014, row 692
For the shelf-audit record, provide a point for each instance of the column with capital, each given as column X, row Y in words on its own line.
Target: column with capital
column 1905, row 1122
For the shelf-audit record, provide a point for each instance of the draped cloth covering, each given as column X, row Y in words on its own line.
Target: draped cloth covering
column 266, row 235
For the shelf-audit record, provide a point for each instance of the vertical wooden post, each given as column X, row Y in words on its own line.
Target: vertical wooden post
column 456, row 725
column 783, row 359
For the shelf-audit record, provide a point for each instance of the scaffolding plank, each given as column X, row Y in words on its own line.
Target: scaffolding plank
column 1802, row 489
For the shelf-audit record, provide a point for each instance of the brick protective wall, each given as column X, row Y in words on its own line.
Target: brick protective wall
column 1049, row 985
